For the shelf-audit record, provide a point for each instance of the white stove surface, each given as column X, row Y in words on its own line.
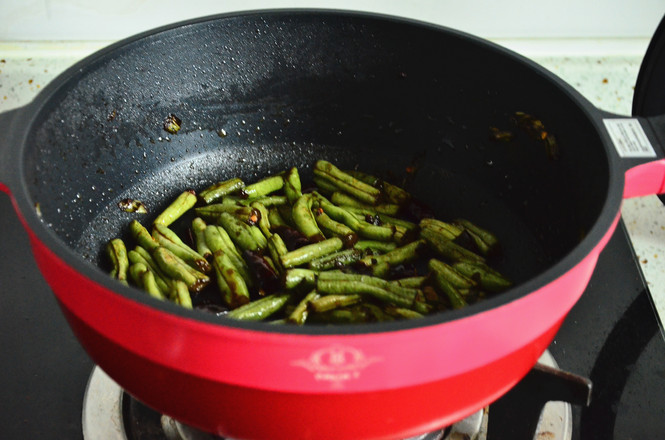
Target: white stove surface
column 604, row 71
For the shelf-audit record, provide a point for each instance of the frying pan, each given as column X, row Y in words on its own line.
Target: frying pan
column 261, row 91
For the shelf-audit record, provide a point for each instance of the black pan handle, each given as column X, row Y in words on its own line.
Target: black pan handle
column 657, row 125
column 8, row 134
column 649, row 97
column 640, row 145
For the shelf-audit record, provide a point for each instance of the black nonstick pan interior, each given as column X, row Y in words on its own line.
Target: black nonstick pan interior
column 260, row 93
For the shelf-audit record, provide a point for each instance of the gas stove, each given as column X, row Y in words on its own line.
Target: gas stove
column 612, row 336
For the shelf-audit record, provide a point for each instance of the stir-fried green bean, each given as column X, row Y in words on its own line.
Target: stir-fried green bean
column 118, row 255
column 177, row 208
column 221, row 189
column 269, row 251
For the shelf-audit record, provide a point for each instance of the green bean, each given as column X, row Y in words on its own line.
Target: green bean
column 414, row 282
column 381, row 269
column 379, row 233
column 149, row 282
column 347, row 183
column 235, row 292
column 488, row 278
column 407, row 225
column 277, row 248
column 454, row 296
column 367, row 178
column 311, row 252
column 267, row 201
column 485, row 240
column 159, row 229
column 370, row 199
column 221, row 189
column 136, row 271
column 142, row 236
column 388, row 291
column 336, row 259
column 140, row 255
column 340, row 287
column 394, row 193
column 376, row 313
column 286, row 212
column 275, row 218
column 177, row 269
column 294, row 278
column 353, row 315
column 264, row 220
column 117, row 253
column 279, row 245
column 183, row 203
column 168, row 239
column 330, row 302
column 180, row 294
column 454, row 277
column 304, row 219
column 271, row 200
column 232, row 200
column 336, row 275
column 218, row 240
column 323, row 185
column 240, row 232
column 379, row 246
column 335, row 282
column 483, row 234
column 345, row 200
column 212, row 213
column 337, row 213
column 403, row 313
column 301, row 311
column 198, row 227
column 447, row 249
column 145, row 278
column 261, row 308
column 260, row 239
column 398, row 255
column 292, row 185
column 446, row 230
column 264, row 187
column 332, row 227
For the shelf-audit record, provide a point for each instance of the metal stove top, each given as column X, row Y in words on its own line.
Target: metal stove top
column 612, row 336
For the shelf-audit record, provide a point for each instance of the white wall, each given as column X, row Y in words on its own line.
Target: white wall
column 114, row 19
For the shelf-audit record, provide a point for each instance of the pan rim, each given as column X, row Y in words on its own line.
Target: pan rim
column 603, row 223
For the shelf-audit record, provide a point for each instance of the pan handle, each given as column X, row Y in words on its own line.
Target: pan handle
column 640, row 143
column 8, row 167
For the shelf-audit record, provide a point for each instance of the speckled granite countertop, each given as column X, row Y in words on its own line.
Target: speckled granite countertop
column 604, row 72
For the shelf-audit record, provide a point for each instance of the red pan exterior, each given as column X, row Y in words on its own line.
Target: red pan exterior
column 249, row 384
